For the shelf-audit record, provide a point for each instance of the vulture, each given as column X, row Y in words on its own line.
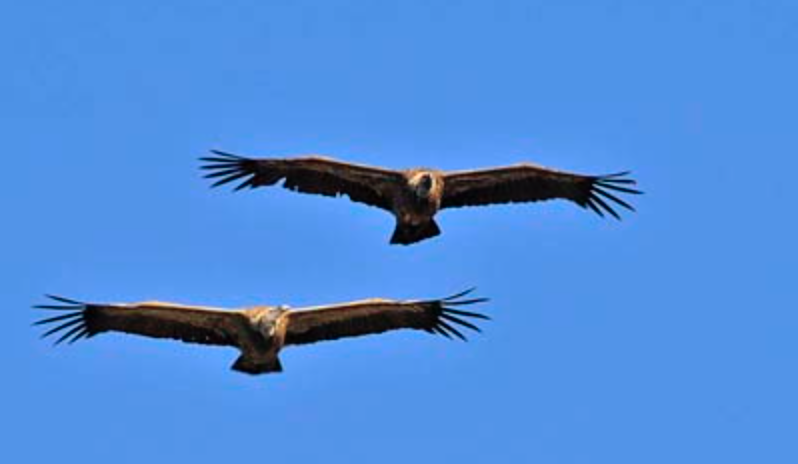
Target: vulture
column 414, row 196
column 259, row 332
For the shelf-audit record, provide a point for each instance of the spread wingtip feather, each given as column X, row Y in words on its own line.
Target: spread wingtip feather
column 72, row 325
column 600, row 199
column 449, row 318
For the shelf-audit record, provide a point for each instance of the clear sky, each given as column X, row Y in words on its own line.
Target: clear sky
column 668, row 337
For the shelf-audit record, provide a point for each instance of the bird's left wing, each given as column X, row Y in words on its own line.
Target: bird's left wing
column 307, row 174
column 528, row 182
column 209, row 326
column 378, row 315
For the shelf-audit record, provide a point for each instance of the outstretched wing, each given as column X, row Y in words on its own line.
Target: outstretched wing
column 376, row 316
column 310, row 174
column 528, row 182
column 151, row 319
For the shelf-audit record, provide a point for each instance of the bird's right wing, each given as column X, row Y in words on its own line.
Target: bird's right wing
column 528, row 182
column 308, row 174
column 375, row 316
column 151, row 319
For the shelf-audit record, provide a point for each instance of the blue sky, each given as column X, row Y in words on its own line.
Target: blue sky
column 668, row 337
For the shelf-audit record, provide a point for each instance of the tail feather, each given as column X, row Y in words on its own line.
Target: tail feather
column 249, row 365
column 406, row 234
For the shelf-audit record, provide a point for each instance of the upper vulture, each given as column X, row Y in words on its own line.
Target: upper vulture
column 414, row 196
column 259, row 332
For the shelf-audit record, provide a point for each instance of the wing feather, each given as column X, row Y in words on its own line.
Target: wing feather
column 310, row 174
column 369, row 317
column 528, row 183
column 151, row 319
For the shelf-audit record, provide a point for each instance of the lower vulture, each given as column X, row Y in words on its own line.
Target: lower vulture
column 259, row 332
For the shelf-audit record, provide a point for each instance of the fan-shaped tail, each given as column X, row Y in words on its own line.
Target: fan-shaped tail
column 253, row 366
column 407, row 234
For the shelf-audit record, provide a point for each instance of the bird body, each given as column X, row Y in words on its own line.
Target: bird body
column 259, row 332
column 415, row 196
column 415, row 204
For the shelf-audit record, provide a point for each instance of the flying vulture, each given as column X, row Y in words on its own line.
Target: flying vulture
column 259, row 332
column 414, row 196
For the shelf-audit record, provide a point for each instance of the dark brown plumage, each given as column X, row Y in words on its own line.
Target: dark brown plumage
column 414, row 196
column 260, row 332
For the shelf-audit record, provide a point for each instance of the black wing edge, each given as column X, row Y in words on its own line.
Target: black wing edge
column 70, row 326
column 229, row 167
column 449, row 319
column 600, row 198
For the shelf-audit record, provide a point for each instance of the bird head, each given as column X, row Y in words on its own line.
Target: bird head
column 266, row 319
column 422, row 183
